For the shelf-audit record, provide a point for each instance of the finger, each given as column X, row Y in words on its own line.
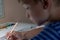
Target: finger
column 8, row 34
column 12, row 37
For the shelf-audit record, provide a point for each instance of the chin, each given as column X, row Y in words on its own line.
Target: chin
column 41, row 23
column 37, row 22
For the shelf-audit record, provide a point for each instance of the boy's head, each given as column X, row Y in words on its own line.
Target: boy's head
column 39, row 11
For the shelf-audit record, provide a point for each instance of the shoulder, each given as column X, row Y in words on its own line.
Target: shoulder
column 50, row 31
column 53, row 24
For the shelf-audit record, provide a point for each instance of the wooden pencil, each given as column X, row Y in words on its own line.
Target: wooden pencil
column 13, row 29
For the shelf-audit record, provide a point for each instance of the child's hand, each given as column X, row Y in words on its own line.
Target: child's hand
column 14, row 36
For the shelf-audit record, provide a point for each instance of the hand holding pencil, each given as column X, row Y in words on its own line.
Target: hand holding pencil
column 13, row 35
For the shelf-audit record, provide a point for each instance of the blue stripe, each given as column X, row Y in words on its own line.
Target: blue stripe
column 35, row 38
column 39, row 37
column 42, row 36
column 58, row 29
column 53, row 24
column 48, row 36
column 59, row 32
column 53, row 32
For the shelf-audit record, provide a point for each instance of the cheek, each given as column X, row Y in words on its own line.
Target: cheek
column 30, row 15
column 36, row 13
column 39, row 16
column 34, row 17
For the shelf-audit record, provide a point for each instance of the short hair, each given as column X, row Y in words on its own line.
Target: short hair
column 27, row 1
column 57, row 2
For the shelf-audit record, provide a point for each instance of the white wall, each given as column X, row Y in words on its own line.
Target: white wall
column 13, row 12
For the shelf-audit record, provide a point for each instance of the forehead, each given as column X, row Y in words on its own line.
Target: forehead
column 28, row 1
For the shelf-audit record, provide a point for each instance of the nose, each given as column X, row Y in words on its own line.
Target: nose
column 27, row 15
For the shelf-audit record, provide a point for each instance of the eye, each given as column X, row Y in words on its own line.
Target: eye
column 27, row 7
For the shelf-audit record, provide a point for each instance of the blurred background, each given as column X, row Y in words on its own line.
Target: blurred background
column 13, row 11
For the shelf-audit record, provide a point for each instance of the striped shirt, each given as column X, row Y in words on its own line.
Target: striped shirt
column 50, row 32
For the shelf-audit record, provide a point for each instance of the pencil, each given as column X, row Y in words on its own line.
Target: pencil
column 13, row 29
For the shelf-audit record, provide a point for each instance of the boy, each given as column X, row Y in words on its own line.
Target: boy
column 41, row 11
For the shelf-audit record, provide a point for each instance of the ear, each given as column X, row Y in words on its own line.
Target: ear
column 47, row 3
